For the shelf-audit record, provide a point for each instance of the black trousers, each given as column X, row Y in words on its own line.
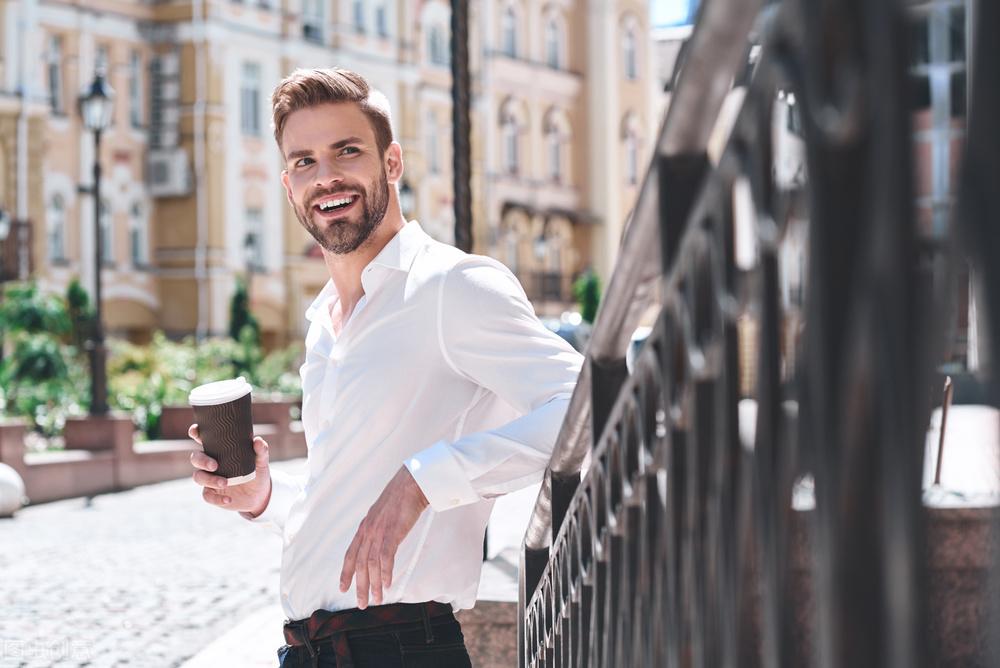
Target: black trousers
column 433, row 643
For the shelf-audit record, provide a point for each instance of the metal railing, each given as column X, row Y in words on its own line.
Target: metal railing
column 679, row 544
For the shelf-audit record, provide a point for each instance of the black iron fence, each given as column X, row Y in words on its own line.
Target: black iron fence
column 751, row 494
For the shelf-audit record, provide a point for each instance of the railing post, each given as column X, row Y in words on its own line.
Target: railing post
column 680, row 181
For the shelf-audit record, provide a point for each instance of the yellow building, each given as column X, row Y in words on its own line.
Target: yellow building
column 190, row 194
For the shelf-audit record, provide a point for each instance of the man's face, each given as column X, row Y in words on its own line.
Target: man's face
column 335, row 177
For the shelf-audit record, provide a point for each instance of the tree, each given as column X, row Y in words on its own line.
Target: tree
column 240, row 315
column 587, row 292
column 81, row 313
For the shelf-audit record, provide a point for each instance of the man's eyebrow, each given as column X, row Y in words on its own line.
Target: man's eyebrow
column 302, row 153
column 344, row 142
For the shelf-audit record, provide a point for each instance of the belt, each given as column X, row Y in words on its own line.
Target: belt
column 323, row 625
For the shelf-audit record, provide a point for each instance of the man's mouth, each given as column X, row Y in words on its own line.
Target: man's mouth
column 335, row 205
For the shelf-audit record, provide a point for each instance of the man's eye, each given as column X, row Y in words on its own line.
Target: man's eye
column 351, row 149
column 302, row 162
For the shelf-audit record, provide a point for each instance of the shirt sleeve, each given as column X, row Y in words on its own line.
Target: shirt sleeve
column 285, row 487
column 488, row 333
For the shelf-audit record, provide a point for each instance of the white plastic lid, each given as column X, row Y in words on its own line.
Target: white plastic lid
column 219, row 392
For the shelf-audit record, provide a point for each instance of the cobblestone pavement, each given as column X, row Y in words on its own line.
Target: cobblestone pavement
column 146, row 577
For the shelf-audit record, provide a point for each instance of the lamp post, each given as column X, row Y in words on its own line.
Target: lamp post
column 96, row 105
column 4, row 231
column 406, row 199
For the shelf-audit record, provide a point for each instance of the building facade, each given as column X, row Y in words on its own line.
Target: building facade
column 190, row 196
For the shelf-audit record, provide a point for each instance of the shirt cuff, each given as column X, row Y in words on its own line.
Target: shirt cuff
column 284, row 489
column 441, row 478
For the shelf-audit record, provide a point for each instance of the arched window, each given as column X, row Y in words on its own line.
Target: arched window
column 107, row 243
column 510, row 146
column 359, row 16
column 381, row 20
column 433, row 145
column 630, row 140
column 57, row 228
column 630, row 55
column 553, row 143
column 138, row 236
column 437, row 47
column 512, row 243
column 508, row 31
column 553, row 43
column 557, row 135
column 513, row 119
column 631, row 159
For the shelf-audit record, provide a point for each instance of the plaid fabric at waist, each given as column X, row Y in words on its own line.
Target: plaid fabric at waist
column 323, row 625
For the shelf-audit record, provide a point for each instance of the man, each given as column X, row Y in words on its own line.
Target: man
column 429, row 388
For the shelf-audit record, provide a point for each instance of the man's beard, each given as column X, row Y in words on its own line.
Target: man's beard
column 342, row 236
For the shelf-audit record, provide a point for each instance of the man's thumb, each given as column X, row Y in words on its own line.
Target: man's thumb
column 262, row 454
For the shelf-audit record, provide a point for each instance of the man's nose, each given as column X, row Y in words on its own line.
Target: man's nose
column 328, row 174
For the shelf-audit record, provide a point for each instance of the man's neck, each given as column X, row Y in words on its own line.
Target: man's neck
column 345, row 270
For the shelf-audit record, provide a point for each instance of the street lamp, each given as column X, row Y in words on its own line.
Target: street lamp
column 406, row 199
column 96, row 105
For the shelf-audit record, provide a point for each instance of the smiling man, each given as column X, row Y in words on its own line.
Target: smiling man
column 429, row 389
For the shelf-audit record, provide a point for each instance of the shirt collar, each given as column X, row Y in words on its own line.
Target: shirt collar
column 402, row 249
column 398, row 255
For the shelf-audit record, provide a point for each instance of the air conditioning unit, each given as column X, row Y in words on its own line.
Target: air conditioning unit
column 168, row 173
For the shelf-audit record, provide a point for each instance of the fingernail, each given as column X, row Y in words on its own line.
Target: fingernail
column 226, row 500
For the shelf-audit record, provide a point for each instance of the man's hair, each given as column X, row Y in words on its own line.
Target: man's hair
column 307, row 88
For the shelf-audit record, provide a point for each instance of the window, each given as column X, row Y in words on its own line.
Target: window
column 630, row 54
column 102, row 61
column 433, row 146
column 359, row 17
column 102, row 64
column 250, row 99
column 512, row 244
column 312, row 20
column 552, row 44
column 107, row 256
column 137, row 235
column 509, row 32
column 554, row 143
column 510, row 144
column 631, row 159
column 381, row 21
column 135, row 89
column 55, row 75
column 57, row 229
column 254, row 240
column 436, row 46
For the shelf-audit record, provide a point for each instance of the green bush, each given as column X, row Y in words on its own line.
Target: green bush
column 42, row 378
column 143, row 379
column 240, row 316
column 587, row 292
column 45, row 378
column 45, row 382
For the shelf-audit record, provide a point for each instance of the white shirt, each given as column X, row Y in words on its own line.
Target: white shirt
column 443, row 367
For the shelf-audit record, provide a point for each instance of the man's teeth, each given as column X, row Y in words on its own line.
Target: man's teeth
column 334, row 203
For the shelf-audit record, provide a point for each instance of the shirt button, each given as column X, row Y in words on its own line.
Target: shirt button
column 455, row 502
column 326, row 424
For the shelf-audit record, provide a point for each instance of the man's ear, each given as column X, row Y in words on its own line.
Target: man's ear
column 394, row 163
column 288, row 186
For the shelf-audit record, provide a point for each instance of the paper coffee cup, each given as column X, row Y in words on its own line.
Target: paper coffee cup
column 225, row 424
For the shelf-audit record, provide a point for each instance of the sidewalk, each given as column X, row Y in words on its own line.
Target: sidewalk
column 254, row 641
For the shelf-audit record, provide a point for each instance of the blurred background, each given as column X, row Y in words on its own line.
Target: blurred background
column 202, row 271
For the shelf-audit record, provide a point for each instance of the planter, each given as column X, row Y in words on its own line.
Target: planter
column 175, row 421
column 114, row 431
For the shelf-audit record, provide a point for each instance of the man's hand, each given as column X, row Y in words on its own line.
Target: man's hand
column 373, row 551
column 250, row 497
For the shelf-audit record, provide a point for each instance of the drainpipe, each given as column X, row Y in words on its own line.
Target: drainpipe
column 26, row 29
column 201, row 203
